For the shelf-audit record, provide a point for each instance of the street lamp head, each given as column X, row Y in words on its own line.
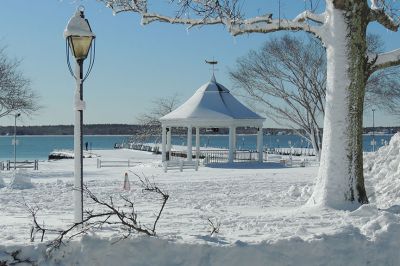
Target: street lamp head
column 79, row 35
column 17, row 115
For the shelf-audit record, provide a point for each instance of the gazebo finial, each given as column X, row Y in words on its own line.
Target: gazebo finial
column 213, row 78
column 213, row 63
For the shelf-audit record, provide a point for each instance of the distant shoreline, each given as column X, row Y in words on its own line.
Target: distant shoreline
column 68, row 130
column 44, row 135
column 133, row 129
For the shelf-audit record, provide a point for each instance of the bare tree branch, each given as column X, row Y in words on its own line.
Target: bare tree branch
column 215, row 226
column 16, row 94
column 385, row 13
column 385, row 60
column 149, row 120
column 151, row 187
column 383, row 90
column 287, row 77
column 380, row 16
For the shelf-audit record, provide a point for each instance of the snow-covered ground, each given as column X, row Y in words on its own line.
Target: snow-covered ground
column 261, row 208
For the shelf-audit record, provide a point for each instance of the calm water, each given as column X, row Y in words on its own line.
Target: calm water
column 39, row 147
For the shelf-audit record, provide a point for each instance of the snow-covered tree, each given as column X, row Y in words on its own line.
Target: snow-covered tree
column 342, row 28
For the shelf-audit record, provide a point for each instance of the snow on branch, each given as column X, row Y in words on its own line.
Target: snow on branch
column 385, row 60
column 234, row 23
column 308, row 15
column 380, row 16
column 148, row 18
column 119, row 6
column 374, row 4
column 260, row 25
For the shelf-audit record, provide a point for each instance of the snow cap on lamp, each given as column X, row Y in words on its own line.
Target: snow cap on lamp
column 78, row 25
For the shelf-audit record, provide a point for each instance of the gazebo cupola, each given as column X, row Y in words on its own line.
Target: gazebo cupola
column 211, row 106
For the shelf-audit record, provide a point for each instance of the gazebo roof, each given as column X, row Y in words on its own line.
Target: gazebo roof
column 212, row 105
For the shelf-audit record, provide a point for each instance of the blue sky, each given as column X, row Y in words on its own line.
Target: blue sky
column 134, row 64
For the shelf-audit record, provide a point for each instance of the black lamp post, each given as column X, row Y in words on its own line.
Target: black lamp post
column 15, row 140
column 373, row 130
column 79, row 38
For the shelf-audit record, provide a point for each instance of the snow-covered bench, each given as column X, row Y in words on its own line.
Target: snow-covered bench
column 20, row 164
column 294, row 163
column 110, row 163
column 170, row 165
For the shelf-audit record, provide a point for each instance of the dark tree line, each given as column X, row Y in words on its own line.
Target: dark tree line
column 94, row 129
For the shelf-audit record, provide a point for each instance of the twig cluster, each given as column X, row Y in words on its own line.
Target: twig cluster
column 110, row 214
column 215, row 226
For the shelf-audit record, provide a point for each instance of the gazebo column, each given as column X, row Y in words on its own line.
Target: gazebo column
column 260, row 143
column 169, row 142
column 163, row 143
column 234, row 140
column 197, row 143
column 232, row 143
column 189, row 143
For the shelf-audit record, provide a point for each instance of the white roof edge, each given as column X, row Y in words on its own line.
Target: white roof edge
column 212, row 105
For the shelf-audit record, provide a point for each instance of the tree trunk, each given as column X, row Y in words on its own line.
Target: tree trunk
column 316, row 141
column 340, row 181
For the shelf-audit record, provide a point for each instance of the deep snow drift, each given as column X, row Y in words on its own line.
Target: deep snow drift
column 261, row 211
column 382, row 172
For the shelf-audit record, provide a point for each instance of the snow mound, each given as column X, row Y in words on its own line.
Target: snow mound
column 366, row 210
column 2, row 184
column 345, row 248
column 380, row 224
column 68, row 154
column 20, row 180
column 382, row 174
column 298, row 192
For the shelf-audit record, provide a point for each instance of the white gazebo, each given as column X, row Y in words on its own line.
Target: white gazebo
column 212, row 106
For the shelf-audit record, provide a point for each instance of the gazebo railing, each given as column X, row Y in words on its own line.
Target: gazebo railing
column 220, row 156
column 294, row 151
column 246, row 156
column 214, row 156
